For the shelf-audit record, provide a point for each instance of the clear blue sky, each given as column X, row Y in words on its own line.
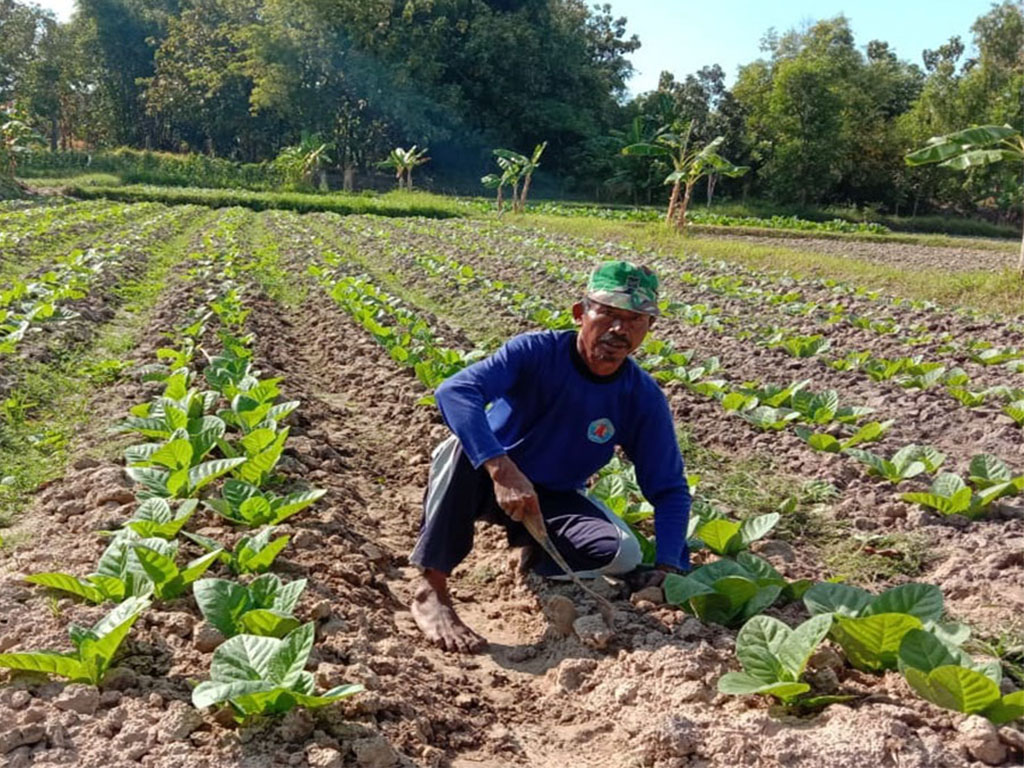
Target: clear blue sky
column 683, row 35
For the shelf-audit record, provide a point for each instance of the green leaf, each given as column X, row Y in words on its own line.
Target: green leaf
column 264, row 675
column 222, row 603
column 757, row 647
column 208, row 471
column 721, row 536
column 754, row 528
column 921, row 600
column 871, row 643
column 153, row 480
column 267, row 623
column 1006, row 710
column 236, row 492
column 162, row 571
column 842, row 599
column 256, row 511
column 196, row 568
column 289, row 505
column 740, row 684
column 250, row 561
column 679, row 590
column 796, row 649
column 987, row 470
column 867, row 434
column 924, row 651
column 823, row 442
column 173, row 455
column 46, row 662
column 762, row 600
column 954, row 687
column 68, row 583
column 97, row 649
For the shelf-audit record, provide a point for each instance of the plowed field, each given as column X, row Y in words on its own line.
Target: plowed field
column 361, row 317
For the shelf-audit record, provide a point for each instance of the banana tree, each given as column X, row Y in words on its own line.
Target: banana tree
column 499, row 181
column 515, row 168
column 402, row 161
column 690, row 164
column 302, row 163
column 974, row 148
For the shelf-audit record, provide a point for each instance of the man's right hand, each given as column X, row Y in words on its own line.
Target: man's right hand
column 512, row 489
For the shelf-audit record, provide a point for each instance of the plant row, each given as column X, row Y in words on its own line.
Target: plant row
column 213, row 439
column 25, row 303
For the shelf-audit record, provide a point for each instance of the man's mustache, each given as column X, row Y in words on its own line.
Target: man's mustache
column 614, row 338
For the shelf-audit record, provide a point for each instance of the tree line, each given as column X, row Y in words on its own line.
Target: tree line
column 818, row 118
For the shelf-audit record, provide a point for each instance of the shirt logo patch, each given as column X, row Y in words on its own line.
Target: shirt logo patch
column 600, row 431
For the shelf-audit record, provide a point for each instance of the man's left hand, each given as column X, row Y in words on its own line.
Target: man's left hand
column 651, row 577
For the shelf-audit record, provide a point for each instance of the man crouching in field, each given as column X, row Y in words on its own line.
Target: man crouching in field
column 559, row 404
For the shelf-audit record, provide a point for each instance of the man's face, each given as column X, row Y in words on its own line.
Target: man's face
column 608, row 334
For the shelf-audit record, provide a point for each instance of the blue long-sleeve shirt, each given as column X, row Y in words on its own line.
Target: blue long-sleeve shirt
column 560, row 423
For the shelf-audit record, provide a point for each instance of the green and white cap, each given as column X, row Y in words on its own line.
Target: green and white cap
column 624, row 285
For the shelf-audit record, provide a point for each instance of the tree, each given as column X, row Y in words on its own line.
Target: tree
column 515, row 168
column 402, row 161
column 17, row 140
column 123, row 36
column 689, row 163
column 975, row 147
column 303, row 163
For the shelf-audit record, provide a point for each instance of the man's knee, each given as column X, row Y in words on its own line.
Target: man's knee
column 626, row 556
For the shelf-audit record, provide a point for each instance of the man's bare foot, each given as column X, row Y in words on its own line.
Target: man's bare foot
column 435, row 615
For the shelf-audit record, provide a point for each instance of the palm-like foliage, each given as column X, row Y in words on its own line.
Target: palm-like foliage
column 689, row 163
column 515, row 168
column 301, row 163
column 402, row 161
column 973, row 148
column 632, row 174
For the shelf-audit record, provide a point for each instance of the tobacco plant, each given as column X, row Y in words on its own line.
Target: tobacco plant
column 870, row 628
column 246, row 504
column 95, row 647
column 727, row 538
column 723, row 592
column 774, row 657
column 265, row 676
column 155, row 518
column 909, row 461
column 950, row 495
column 120, row 574
column 168, row 580
column 805, row 346
column 263, row 607
column 826, row 443
column 251, row 554
column 950, row 678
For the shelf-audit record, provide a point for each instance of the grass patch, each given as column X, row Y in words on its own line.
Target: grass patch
column 741, row 486
column 1001, row 291
column 389, row 204
column 89, row 179
column 752, row 485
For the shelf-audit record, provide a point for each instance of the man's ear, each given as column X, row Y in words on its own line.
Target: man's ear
column 577, row 312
